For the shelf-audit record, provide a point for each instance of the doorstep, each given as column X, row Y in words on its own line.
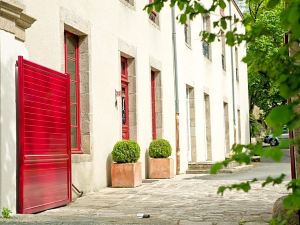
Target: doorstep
column 204, row 168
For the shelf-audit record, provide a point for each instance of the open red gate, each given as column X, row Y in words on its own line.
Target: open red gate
column 44, row 153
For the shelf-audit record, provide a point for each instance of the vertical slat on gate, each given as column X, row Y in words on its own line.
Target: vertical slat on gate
column 44, row 155
column 20, row 125
column 69, row 136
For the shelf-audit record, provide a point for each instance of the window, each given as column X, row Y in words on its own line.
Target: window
column 206, row 47
column 154, row 16
column 125, row 98
column 153, row 103
column 187, row 33
column 72, row 67
column 237, row 64
column 223, row 51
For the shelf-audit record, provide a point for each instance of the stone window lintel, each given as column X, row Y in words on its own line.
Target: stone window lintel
column 15, row 20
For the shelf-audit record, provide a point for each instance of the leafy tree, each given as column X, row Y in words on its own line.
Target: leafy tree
column 263, row 91
column 281, row 66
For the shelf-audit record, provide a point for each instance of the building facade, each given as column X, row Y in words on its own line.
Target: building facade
column 120, row 61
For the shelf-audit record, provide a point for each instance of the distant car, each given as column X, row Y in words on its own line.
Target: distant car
column 285, row 133
column 273, row 141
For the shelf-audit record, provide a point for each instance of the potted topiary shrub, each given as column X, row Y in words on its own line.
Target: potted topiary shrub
column 125, row 169
column 160, row 165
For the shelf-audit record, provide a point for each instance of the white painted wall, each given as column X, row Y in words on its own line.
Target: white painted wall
column 208, row 76
column 10, row 49
column 115, row 28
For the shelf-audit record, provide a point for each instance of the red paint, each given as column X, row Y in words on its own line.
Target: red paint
column 44, row 152
column 75, row 84
column 153, row 101
column 124, row 98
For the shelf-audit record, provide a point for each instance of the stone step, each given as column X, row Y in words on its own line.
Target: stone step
column 197, row 171
column 222, row 171
column 207, row 165
column 201, row 165
column 204, row 167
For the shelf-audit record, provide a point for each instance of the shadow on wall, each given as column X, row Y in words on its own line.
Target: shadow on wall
column 8, row 150
column 108, row 170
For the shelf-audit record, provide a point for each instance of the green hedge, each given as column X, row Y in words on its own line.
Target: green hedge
column 126, row 151
column 160, row 148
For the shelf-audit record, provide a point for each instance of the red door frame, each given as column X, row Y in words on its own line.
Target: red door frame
column 124, row 93
column 30, row 158
column 153, row 103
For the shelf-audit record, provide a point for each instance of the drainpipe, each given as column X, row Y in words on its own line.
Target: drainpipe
column 232, row 76
column 176, row 90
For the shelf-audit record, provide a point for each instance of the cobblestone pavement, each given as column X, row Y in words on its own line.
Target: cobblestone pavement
column 184, row 200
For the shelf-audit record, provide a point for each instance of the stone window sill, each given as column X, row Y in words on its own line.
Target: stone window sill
column 127, row 4
column 154, row 24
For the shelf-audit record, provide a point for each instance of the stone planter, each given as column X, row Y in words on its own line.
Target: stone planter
column 126, row 175
column 161, row 168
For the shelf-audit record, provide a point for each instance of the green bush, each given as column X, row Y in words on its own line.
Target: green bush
column 160, row 148
column 126, row 151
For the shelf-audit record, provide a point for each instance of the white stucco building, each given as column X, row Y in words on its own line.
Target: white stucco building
column 122, row 84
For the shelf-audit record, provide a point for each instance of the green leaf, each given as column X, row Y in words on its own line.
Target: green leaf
column 230, row 38
column 272, row 3
column 215, row 23
column 221, row 190
column 182, row 18
column 223, row 23
column 158, row 6
column 274, row 181
column 274, row 153
column 199, row 8
column 280, row 116
column 180, row 5
column 211, row 37
column 222, row 4
column 216, row 168
column 292, row 201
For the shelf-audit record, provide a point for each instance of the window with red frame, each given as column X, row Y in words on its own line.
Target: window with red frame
column 153, row 103
column 72, row 68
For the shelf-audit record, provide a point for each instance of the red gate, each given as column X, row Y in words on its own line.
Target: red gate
column 44, row 153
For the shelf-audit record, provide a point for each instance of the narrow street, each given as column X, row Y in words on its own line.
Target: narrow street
column 184, row 200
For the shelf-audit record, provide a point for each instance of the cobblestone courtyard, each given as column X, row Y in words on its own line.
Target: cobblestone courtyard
column 184, row 200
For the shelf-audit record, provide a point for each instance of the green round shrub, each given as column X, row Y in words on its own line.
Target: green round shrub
column 160, row 148
column 126, row 151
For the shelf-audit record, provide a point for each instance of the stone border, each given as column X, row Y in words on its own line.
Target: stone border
column 74, row 24
column 13, row 19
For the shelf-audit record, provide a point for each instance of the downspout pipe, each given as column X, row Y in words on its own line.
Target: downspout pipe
column 232, row 75
column 175, row 65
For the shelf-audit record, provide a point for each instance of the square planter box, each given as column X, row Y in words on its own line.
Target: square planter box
column 126, row 175
column 161, row 168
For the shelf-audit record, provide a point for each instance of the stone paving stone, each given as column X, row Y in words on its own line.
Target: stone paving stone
column 187, row 222
column 184, row 200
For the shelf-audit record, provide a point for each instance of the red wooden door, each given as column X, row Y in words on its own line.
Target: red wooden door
column 125, row 99
column 44, row 153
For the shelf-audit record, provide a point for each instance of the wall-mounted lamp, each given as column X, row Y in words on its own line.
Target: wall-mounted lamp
column 117, row 94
